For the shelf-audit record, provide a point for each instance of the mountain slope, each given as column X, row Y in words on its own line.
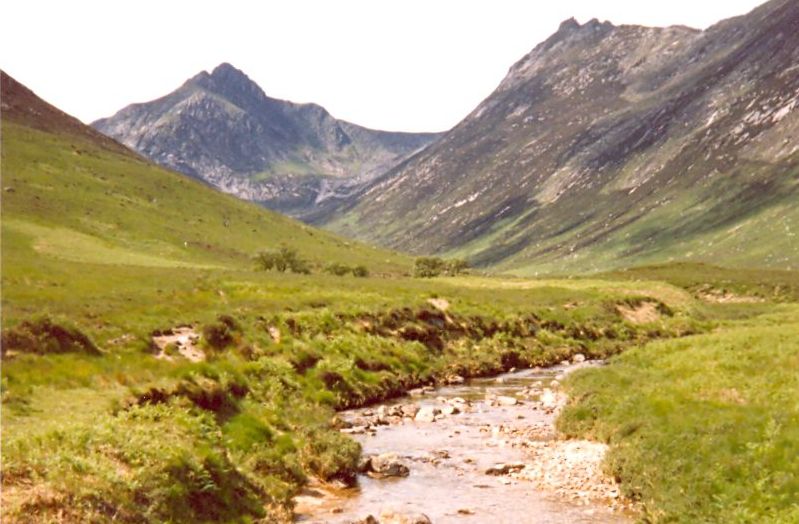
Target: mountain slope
column 222, row 128
column 71, row 194
column 609, row 146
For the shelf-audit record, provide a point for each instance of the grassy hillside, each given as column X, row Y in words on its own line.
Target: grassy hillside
column 71, row 199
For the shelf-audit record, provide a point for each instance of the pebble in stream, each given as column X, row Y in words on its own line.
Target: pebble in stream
column 479, row 462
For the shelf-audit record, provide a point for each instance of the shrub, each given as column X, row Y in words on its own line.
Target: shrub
column 284, row 259
column 427, row 267
column 335, row 268
column 222, row 333
column 456, row 266
column 338, row 269
column 360, row 271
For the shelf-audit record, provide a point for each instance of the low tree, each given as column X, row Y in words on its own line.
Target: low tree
column 360, row 271
column 335, row 268
column 283, row 259
column 427, row 267
column 456, row 266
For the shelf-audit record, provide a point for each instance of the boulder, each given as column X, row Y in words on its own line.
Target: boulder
column 507, row 401
column 549, row 400
column 386, row 465
column 369, row 519
column 504, row 469
column 578, row 358
column 409, row 410
column 450, row 410
column 427, row 414
column 390, row 516
column 354, row 430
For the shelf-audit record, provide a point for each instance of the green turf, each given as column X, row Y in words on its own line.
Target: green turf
column 705, row 428
column 114, row 248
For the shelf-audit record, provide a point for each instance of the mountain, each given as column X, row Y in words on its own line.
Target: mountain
column 76, row 201
column 222, row 128
column 608, row 146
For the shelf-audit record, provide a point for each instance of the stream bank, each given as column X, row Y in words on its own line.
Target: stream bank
column 484, row 450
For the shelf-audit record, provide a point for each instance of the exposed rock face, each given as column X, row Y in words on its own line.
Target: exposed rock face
column 222, row 128
column 609, row 145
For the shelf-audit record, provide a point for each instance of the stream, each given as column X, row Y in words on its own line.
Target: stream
column 448, row 459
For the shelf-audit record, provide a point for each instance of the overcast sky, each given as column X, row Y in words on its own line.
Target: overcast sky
column 410, row 65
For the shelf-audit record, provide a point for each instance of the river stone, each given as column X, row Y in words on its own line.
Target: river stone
column 409, row 410
column 427, row 414
column 507, row 401
column 548, row 399
column 390, row 516
column 449, row 410
column 579, row 357
column 395, row 411
column 504, row 469
column 387, row 465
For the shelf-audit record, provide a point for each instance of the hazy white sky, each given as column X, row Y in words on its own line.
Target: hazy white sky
column 411, row 65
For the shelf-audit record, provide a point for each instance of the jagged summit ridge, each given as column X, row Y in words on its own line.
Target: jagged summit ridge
column 223, row 128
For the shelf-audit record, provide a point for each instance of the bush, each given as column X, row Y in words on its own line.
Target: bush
column 223, row 333
column 334, row 268
column 43, row 336
column 338, row 269
column 360, row 272
column 284, row 259
column 456, row 266
column 427, row 267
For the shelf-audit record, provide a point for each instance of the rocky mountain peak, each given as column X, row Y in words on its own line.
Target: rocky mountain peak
column 231, row 83
column 571, row 26
column 221, row 127
column 567, row 26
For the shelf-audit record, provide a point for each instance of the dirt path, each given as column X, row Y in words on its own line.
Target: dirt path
column 482, row 451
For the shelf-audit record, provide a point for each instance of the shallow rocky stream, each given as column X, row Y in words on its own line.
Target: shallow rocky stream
column 482, row 463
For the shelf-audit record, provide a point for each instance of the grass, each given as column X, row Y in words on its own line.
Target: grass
column 101, row 250
column 704, row 428
column 79, row 201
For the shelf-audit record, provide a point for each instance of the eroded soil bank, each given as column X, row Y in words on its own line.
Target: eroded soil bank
column 481, row 451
